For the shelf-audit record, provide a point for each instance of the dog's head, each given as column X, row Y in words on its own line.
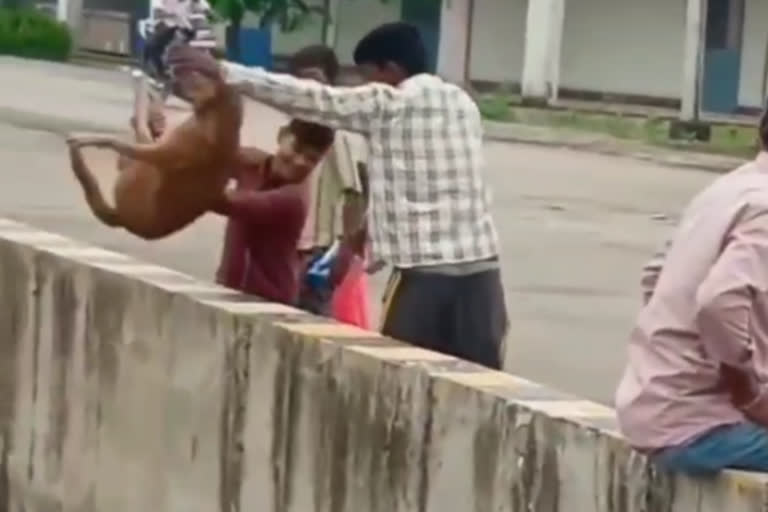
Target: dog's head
column 197, row 88
column 202, row 83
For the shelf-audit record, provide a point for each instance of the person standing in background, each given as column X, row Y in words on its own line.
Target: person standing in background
column 334, row 190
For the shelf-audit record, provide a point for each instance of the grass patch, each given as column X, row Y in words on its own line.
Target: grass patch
column 733, row 140
column 26, row 32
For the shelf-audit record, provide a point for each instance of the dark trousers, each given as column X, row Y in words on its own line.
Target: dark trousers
column 463, row 316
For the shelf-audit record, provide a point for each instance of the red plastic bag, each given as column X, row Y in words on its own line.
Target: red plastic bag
column 350, row 299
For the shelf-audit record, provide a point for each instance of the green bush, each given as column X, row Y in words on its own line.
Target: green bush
column 33, row 34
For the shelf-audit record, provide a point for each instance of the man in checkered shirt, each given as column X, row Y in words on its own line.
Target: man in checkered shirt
column 429, row 214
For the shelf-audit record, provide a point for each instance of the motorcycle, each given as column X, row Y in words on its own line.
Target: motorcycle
column 161, row 31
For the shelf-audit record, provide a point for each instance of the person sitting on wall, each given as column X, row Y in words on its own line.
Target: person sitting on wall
column 694, row 394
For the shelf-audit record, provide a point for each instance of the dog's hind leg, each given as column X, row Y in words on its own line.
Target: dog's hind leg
column 159, row 154
column 93, row 196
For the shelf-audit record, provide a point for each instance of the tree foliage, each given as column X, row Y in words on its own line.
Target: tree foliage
column 287, row 14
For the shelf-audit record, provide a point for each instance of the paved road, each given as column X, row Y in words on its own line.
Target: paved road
column 575, row 227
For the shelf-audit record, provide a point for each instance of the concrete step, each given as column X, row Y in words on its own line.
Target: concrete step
column 96, row 58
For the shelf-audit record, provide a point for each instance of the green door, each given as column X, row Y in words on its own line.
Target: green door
column 722, row 56
column 425, row 14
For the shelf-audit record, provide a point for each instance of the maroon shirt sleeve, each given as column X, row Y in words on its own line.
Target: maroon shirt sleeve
column 274, row 206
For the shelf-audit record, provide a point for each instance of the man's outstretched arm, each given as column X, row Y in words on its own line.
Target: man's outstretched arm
column 343, row 108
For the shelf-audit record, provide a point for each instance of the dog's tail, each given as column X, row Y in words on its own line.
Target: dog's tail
column 93, row 196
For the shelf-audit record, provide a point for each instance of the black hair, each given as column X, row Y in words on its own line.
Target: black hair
column 316, row 56
column 400, row 43
column 311, row 135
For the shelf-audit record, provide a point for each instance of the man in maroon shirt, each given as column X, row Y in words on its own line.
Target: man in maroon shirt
column 267, row 209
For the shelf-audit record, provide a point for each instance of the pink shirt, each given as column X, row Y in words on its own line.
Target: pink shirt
column 707, row 304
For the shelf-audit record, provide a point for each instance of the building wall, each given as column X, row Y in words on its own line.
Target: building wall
column 285, row 43
column 357, row 17
column 624, row 46
column 498, row 36
column 753, row 53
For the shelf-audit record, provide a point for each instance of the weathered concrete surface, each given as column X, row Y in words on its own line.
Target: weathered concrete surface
column 128, row 387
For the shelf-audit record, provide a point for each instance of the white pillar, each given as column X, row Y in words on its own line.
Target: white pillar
column 71, row 12
column 332, row 25
column 693, row 58
column 541, row 59
column 75, row 19
column 556, row 44
column 455, row 33
column 61, row 10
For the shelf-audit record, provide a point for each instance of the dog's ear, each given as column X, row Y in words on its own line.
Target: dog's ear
column 184, row 58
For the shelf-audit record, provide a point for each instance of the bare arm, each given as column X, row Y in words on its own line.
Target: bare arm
column 345, row 162
column 141, row 108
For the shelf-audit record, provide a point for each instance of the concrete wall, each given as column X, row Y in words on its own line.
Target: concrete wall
column 356, row 18
column 129, row 387
column 286, row 43
column 614, row 46
column 623, row 46
column 753, row 53
column 498, row 38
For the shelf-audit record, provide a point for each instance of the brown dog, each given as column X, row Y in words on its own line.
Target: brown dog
column 166, row 184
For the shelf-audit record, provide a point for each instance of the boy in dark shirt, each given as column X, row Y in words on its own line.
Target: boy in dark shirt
column 267, row 209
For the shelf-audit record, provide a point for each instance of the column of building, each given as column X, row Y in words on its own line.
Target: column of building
column 693, row 58
column 541, row 58
column 71, row 13
column 455, row 40
column 331, row 28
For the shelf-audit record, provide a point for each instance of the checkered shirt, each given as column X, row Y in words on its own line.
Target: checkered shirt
column 428, row 201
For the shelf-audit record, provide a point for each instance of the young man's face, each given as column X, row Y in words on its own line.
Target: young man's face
column 294, row 162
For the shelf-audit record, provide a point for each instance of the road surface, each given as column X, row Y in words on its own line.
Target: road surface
column 575, row 227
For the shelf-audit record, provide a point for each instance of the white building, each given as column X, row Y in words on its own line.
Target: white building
column 678, row 53
column 649, row 51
